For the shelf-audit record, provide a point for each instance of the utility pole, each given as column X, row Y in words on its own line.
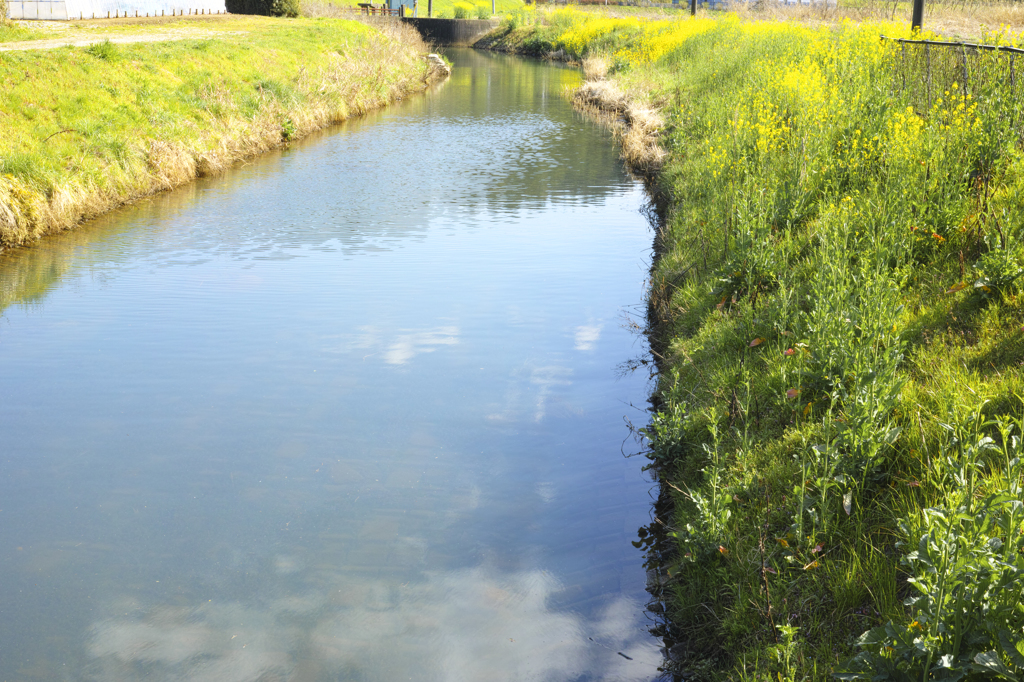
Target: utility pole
column 918, row 18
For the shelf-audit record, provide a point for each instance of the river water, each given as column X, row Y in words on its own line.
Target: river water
column 352, row 411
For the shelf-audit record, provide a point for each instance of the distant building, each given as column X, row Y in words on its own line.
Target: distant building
column 62, row 10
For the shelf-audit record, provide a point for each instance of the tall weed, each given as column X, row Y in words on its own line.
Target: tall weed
column 966, row 568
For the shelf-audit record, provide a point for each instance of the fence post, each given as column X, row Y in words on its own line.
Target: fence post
column 430, row 8
column 693, row 8
column 918, row 17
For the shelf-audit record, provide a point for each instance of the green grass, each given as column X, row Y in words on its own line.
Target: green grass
column 12, row 32
column 837, row 303
column 87, row 128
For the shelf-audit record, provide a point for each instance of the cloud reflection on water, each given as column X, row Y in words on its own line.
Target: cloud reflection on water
column 587, row 336
column 411, row 343
column 403, row 345
column 472, row 624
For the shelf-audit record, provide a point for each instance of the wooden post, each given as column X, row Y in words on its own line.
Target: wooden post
column 918, row 17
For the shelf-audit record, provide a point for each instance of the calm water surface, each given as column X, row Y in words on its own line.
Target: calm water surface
column 349, row 412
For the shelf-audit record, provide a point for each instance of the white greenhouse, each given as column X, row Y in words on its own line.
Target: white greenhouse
column 62, row 10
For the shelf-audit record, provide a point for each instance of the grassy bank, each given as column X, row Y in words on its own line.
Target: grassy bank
column 84, row 129
column 837, row 314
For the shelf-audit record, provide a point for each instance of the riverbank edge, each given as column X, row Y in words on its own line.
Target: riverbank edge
column 29, row 213
column 636, row 123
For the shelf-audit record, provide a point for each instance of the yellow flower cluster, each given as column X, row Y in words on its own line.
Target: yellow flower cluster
column 659, row 38
column 649, row 40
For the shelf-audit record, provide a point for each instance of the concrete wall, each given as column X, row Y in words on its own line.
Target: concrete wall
column 450, row 31
column 87, row 9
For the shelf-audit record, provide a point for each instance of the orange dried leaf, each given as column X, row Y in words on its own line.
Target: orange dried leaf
column 756, row 342
column 956, row 287
column 789, row 352
column 723, row 550
column 792, row 393
column 813, row 564
column 782, row 541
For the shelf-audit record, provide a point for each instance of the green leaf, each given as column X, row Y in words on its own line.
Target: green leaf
column 949, row 675
column 989, row 661
column 1013, row 650
column 872, row 636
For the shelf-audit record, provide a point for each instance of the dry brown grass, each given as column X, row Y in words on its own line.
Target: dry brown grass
column 320, row 8
column 636, row 123
column 959, row 20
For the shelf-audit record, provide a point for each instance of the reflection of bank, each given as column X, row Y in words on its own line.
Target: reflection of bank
column 62, row 10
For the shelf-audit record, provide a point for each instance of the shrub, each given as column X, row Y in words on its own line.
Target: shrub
column 463, row 11
column 483, row 11
column 519, row 18
column 268, row 8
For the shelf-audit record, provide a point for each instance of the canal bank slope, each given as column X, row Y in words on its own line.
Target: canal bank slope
column 85, row 129
column 836, row 310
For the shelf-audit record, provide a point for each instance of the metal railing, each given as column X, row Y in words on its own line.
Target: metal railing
column 981, row 76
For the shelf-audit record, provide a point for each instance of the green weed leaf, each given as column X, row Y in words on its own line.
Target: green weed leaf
column 989, row 661
column 1014, row 650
